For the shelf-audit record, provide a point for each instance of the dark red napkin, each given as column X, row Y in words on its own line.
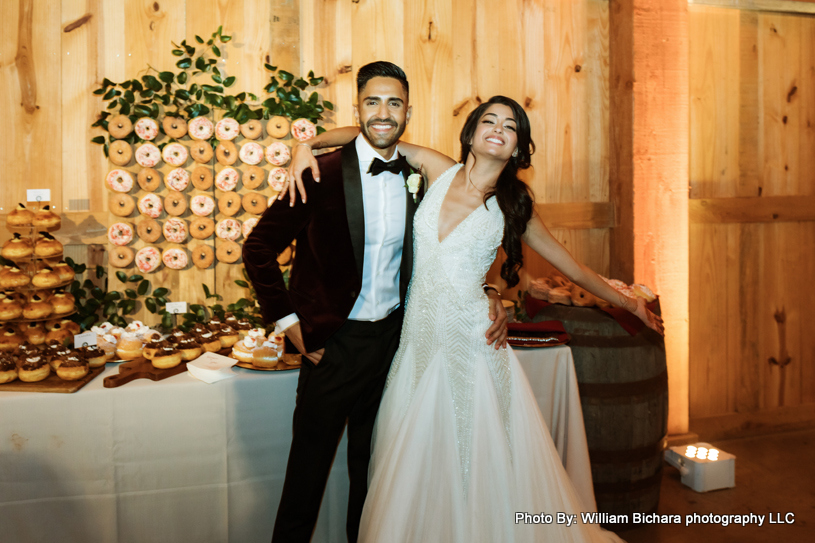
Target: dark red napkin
column 626, row 319
column 531, row 334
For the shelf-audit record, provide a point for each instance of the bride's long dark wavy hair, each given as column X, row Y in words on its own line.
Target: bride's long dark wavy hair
column 513, row 195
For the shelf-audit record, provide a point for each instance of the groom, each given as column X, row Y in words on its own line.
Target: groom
column 344, row 305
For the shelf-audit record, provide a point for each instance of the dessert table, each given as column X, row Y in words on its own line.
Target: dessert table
column 179, row 460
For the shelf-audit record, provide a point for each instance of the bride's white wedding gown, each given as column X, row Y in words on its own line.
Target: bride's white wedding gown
column 460, row 445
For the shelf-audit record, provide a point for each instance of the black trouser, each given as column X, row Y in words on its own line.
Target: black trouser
column 345, row 386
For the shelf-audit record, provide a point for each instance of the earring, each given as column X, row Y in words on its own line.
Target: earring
column 515, row 153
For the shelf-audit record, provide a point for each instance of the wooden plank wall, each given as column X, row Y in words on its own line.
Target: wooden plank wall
column 752, row 212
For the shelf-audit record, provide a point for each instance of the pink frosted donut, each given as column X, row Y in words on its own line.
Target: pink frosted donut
column 303, row 129
column 251, row 153
column 175, row 259
column 120, row 233
column 178, row 179
column 148, row 259
column 200, row 128
column 277, row 179
column 227, row 179
column 227, row 129
column 147, row 129
column 202, row 205
column 148, row 155
column 249, row 225
column 277, row 154
column 175, row 154
column 150, row 205
column 119, row 181
column 175, row 230
column 228, row 229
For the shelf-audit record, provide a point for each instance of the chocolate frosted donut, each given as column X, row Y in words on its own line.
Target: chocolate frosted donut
column 175, row 204
column 253, row 177
column 201, row 152
column 202, row 227
column 121, row 205
column 278, row 127
column 203, row 256
column 175, row 127
column 229, row 204
column 228, row 252
column 121, row 257
column 149, row 179
column 120, row 153
column 226, row 153
column 120, row 126
column 254, row 202
column 252, row 129
column 202, row 178
column 149, row 230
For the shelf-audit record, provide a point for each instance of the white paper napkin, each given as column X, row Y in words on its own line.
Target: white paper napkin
column 211, row 368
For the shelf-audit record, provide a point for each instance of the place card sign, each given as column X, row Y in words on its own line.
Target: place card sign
column 38, row 195
column 176, row 308
column 85, row 339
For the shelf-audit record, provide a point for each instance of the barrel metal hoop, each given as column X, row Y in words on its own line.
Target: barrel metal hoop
column 598, row 456
column 619, row 390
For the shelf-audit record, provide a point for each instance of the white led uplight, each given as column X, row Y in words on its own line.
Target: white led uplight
column 703, row 467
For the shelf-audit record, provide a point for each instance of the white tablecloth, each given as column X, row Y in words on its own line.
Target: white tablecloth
column 179, row 460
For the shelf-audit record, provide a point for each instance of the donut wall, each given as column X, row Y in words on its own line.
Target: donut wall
column 183, row 198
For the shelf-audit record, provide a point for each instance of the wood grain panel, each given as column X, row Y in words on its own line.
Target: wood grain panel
column 755, row 209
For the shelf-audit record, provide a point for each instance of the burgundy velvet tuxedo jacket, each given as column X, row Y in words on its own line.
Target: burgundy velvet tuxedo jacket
column 329, row 230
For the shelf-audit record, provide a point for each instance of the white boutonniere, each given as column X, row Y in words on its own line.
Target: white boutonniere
column 413, row 184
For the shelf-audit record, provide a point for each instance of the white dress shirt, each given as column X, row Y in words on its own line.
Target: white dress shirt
column 384, row 203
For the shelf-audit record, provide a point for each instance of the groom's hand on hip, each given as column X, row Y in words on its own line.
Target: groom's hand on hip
column 295, row 335
column 497, row 333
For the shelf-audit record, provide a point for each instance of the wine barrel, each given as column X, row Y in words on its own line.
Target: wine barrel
column 623, row 383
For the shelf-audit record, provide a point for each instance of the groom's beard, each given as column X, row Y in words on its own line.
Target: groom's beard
column 381, row 141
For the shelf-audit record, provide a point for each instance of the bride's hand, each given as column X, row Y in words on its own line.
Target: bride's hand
column 302, row 159
column 497, row 332
column 654, row 322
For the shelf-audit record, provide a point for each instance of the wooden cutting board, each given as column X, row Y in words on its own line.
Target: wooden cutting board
column 142, row 368
column 52, row 383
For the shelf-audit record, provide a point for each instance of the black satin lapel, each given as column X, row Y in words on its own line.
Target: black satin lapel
column 407, row 249
column 354, row 208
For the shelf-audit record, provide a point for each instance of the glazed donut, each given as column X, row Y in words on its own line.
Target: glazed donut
column 249, row 225
column 252, row 129
column 177, row 179
column 175, row 230
column 166, row 357
column 202, row 227
column 303, row 129
column 175, row 203
column 45, row 218
column 119, row 181
column 37, row 307
column 65, row 272
column 201, row 151
column 560, row 295
column 582, row 298
column 146, row 128
column 45, row 278
column 229, row 204
column 175, row 154
column 229, row 252
column 73, row 368
column 62, row 302
column 175, row 259
column 148, row 259
column 148, row 155
column 34, row 333
column 150, row 205
column 121, row 205
column 253, row 177
column 149, row 230
column 202, row 178
column 12, row 277
column 17, row 247
column 33, row 369
column 277, row 154
column 277, row 179
column 200, row 128
column 175, row 127
column 643, row 291
column 203, row 256
column 254, row 202
column 120, row 233
column 227, row 179
column 120, row 257
column 20, row 216
column 251, row 153
column 47, row 245
column 202, row 205
column 226, row 153
column 120, row 126
column 149, row 179
column 228, row 229
column 278, row 127
column 120, row 153
column 227, row 129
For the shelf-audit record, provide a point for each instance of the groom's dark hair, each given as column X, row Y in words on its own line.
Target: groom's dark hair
column 381, row 68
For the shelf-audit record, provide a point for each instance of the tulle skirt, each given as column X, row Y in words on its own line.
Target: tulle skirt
column 416, row 491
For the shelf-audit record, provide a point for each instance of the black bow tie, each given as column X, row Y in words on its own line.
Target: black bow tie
column 394, row 166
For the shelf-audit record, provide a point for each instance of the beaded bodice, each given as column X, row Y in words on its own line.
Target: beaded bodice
column 447, row 311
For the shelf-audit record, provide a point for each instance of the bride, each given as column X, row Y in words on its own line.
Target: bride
column 461, row 452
